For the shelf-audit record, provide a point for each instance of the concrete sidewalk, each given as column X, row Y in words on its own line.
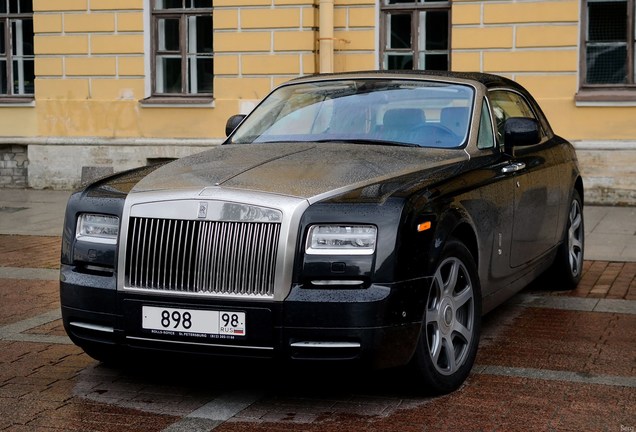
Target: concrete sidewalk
column 32, row 212
column 610, row 231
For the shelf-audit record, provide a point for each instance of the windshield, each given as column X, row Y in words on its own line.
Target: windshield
column 383, row 111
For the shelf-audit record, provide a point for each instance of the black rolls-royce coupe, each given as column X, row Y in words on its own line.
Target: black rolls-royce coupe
column 370, row 217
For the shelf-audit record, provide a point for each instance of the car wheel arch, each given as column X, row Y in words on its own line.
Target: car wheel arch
column 455, row 224
column 578, row 185
column 431, row 371
column 465, row 233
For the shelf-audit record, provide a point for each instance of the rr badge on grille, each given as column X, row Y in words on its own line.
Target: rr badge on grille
column 203, row 210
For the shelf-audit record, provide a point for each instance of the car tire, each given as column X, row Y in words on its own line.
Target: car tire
column 567, row 268
column 449, row 337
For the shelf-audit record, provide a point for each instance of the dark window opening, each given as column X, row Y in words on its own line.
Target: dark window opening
column 183, row 60
column 17, row 72
column 415, row 34
column 607, row 50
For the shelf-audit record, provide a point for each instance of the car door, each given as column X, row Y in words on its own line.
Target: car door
column 535, row 182
column 491, row 207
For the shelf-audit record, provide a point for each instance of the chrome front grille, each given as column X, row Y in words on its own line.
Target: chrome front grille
column 201, row 256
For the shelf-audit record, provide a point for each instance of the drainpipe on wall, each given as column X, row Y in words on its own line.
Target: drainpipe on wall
column 325, row 36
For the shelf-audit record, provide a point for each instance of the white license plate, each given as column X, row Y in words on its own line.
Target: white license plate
column 198, row 322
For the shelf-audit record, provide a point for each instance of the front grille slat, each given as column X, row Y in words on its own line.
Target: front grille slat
column 142, row 255
column 135, row 257
column 157, row 261
column 249, row 256
column 215, row 257
column 270, row 243
column 234, row 261
column 208, row 270
column 191, row 251
column 187, row 252
column 168, row 263
column 198, row 262
column 258, row 268
column 197, row 265
column 175, row 252
column 225, row 233
column 204, row 257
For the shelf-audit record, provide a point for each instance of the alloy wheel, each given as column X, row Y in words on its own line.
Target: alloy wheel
column 450, row 316
column 575, row 238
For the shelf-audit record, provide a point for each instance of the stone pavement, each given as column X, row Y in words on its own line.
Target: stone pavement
column 548, row 361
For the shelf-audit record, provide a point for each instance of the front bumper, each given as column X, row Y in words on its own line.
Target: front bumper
column 378, row 325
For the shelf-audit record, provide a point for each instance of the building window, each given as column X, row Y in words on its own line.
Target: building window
column 16, row 49
column 607, row 48
column 415, row 34
column 183, row 61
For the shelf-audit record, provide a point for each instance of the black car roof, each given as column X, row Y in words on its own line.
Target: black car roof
column 488, row 80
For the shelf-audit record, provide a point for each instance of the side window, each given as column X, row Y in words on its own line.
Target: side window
column 506, row 104
column 486, row 138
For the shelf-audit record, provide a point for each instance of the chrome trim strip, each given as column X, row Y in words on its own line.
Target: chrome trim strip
column 200, row 343
column 341, row 252
column 256, row 297
column 227, row 210
column 95, row 239
column 99, row 268
column 336, row 282
column 95, row 327
column 319, row 344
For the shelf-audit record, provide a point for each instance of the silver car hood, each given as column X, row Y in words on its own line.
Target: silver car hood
column 261, row 178
column 301, row 170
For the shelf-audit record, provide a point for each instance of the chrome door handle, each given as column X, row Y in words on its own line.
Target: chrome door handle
column 517, row 166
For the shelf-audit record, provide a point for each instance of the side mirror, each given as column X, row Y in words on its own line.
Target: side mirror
column 521, row 131
column 233, row 122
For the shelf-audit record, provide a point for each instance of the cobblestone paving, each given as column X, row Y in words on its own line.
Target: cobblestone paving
column 30, row 251
column 548, row 361
column 611, row 280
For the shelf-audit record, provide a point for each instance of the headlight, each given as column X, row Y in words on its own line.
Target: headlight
column 341, row 240
column 98, row 228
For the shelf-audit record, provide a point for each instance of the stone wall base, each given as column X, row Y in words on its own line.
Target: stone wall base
column 608, row 168
column 14, row 164
column 68, row 165
column 609, row 171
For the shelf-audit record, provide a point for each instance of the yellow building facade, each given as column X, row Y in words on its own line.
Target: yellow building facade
column 109, row 92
